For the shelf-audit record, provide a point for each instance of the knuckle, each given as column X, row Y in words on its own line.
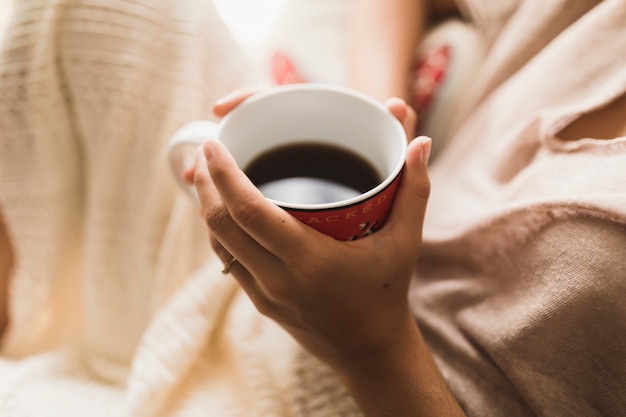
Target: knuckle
column 309, row 273
column 218, row 172
column 263, row 305
column 247, row 212
column 201, row 179
column 279, row 291
column 310, row 270
column 216, row 216
column 422, row 190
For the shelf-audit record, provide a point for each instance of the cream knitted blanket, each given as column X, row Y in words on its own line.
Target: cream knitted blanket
column 118, row 307
column 112, row 260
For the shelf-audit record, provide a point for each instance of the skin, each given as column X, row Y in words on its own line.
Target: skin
column 373, row 343
column 286, row 268
column 373, row 66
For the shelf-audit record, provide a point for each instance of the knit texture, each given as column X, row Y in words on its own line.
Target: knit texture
column 118, row 306
column 115, row 283
column 520, row 286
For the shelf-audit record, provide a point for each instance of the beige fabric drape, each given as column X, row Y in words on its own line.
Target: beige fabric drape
column 522, row 276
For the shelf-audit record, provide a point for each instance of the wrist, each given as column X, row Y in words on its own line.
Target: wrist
column 404, row 347
column 402, row 379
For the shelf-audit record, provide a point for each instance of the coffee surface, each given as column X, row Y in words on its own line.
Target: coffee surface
column 312, row 173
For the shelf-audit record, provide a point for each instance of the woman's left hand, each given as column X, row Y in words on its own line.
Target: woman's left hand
column 343, row 301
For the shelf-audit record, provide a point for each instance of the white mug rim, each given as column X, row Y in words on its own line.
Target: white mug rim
column 340, row 204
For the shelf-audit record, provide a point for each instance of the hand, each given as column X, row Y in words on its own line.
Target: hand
column 346, row 302
column 341, row 300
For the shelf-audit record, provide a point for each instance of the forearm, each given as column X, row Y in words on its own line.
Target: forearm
column 405, row 381
column 383, row 36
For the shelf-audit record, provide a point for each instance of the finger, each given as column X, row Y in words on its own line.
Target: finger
column 229, row 260
column 252, row 256
column 285, row 71
column 269, row 225
column 259, row 273
column 407, row 216
column 404, row 113
column 190, row 172
column 226, row 104
column 244, row 278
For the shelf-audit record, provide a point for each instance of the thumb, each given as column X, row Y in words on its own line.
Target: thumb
column 409, row 208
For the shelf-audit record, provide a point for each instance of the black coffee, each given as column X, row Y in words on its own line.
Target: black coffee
column 311, row 173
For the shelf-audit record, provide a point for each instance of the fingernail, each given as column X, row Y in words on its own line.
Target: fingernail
column 229, row 97
column 220, row 101
column 425, row 147
column 225, row 98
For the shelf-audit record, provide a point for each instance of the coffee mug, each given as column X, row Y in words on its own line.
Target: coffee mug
column 329, row 155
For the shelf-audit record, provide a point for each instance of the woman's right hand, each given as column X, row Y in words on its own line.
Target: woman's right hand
column 345, row 302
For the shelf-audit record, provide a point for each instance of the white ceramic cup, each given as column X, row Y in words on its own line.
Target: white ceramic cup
column 325, row 114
